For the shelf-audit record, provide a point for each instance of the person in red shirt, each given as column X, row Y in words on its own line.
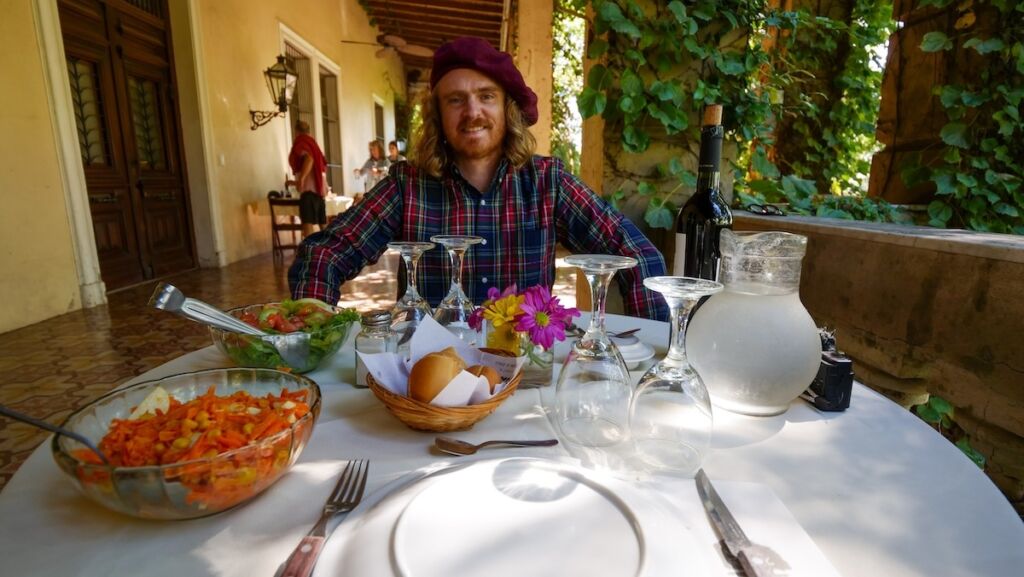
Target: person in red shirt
column 309, row 167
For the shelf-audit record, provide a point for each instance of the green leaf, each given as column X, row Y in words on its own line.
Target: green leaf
column 1007, row 209
column 631, row 83
column 599, row 77
column 955, row 134
column 610, row 12
column 675, row 166
column 936, row 41
column 591, row 102
column 666, row 91
column 704, row 10
column 928, row 414
column 966, row 179
column 974, row 99
column 678, row 9
column 762, row 165
column 800, row 187
column 1006, row 125
column 597, row 48
column 729, row 63
column 985, row 46
column 944, row 184
column 626, row 27
column 949, row 96
column 952, row 156
column 659, row 216
column 634, row 139
column 940, row 212
column 942, row 406
column 973, row 454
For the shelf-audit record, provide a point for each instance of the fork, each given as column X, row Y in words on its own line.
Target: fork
column 345, row 496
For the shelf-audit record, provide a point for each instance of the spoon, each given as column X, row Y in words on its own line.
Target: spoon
column 460, row 447
column 11, row 413
column 576, row 331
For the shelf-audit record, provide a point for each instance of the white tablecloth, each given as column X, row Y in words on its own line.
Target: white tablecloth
column 878, row 492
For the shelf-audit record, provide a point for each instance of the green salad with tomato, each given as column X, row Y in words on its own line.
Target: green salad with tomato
column 328, row 327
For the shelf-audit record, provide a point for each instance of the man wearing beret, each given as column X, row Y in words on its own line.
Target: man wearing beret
column 473, row 171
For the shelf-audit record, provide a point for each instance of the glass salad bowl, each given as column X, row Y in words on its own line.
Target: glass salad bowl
column 301, row 334
column 208, row 465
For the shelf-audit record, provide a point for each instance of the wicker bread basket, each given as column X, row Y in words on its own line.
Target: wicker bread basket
column 426, row 417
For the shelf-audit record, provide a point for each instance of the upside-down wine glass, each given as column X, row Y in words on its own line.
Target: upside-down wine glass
column 593, row 391
column 670, row 415
column 454, row 310
column 412, row 308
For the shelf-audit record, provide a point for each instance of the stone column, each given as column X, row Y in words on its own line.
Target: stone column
column 533, row 57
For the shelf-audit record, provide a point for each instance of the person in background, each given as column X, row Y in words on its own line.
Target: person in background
column 393, row 154
column 375, row 168
column 309, row 167
column 474, row 171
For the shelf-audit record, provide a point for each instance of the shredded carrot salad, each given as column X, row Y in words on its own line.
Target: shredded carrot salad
column 203, row 428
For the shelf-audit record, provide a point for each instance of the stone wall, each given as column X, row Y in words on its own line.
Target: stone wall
column 923, row 310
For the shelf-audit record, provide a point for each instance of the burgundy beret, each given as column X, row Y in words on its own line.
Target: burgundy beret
column 478, row 54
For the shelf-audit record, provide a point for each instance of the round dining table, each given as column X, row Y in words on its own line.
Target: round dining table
column 869, row 492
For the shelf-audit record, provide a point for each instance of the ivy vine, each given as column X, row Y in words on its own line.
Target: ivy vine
column 978, row 173
column 662, row 63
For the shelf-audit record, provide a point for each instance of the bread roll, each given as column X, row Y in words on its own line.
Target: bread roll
column 492, row 376
column 432, row 373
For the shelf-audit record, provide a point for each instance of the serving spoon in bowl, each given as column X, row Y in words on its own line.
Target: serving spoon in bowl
column 293, row 347
column 17, row 416
column 459, row 447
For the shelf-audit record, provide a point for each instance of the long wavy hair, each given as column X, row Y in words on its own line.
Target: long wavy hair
column 433, row 154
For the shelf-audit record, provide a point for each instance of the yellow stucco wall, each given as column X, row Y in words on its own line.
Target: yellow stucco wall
column 238, row 42
column 235, row 42
column 37, row 266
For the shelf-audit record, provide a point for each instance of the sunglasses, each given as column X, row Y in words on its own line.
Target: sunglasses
column 765, row 209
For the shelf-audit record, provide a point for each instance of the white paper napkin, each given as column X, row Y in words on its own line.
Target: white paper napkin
column 392, row 371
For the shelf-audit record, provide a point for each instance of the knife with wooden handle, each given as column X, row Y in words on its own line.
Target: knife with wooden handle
column 757, row 560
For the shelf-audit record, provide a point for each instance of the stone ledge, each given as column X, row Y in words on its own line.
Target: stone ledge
column 925, row 310
column 967, row 242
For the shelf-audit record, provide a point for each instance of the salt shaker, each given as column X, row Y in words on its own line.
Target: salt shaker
column 376, row 337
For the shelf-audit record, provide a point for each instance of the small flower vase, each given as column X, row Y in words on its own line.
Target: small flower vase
column 538, row 367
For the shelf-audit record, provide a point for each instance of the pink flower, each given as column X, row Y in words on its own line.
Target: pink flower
column 543, row 317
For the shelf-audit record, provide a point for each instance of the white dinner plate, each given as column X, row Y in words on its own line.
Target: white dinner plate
column 511, row 517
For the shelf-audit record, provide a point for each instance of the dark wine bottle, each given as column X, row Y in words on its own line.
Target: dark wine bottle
column 701, row 220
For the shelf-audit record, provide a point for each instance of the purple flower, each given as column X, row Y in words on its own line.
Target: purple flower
column 543, row 317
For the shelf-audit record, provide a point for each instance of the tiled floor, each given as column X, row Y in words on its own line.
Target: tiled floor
column 54, row 367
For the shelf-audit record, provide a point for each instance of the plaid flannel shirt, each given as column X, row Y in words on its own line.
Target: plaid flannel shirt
column 521, row 215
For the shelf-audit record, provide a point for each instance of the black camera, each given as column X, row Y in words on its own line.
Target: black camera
column 833, row 384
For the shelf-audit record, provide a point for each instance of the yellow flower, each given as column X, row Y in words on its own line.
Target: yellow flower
column 503, row 337
column 504, row 310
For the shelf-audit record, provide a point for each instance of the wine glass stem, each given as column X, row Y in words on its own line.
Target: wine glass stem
column 456, row 255
column 679, row 316
column 599, row 293
column 411, row 262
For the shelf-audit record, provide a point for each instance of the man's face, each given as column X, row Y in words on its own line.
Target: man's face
column 472, row 113
column 393, row 149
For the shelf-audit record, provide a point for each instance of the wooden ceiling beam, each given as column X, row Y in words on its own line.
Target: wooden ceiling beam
column 424, row 7
column 463, row 20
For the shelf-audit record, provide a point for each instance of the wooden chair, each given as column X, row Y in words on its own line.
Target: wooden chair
column 283, row 223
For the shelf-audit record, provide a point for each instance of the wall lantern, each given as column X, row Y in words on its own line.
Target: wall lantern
column 281, row 84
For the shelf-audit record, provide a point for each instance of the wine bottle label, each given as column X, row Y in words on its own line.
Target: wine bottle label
column 678, row 263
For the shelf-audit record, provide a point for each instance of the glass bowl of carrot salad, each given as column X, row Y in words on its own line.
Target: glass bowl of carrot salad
column 190, row 445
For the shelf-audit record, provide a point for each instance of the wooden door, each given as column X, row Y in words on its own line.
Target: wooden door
column 120, row 69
